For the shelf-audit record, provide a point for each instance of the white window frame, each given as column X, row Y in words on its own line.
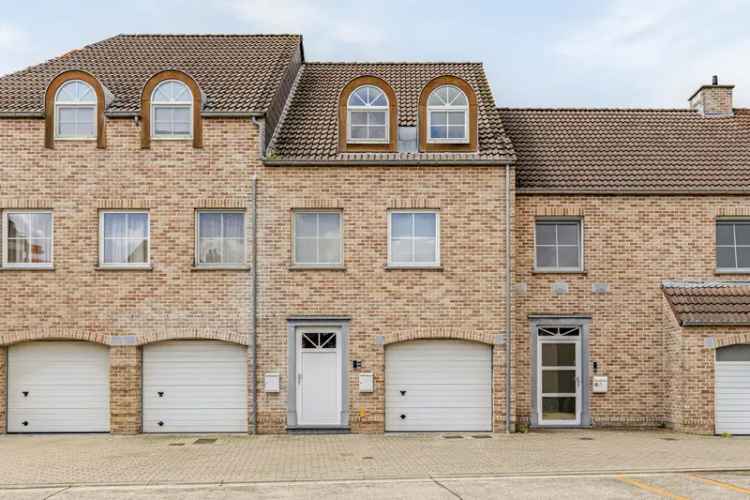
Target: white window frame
column 340, row 263
column 198, row 213
column 6, row 229
column 75, row 105
column 729, row 270
column 364, row 109
column 465, row 109
column 126, row 265
column 437, row 262
column 154, row 104
column 559, row 220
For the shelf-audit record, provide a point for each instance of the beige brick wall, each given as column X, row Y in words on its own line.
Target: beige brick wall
column 3, row 386
column 171, row 180
column 631, row 243
column 464, row 300
column 125, row 370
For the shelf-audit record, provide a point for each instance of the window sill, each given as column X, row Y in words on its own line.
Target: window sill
column 11, row 268
column 720, row 272
column 413, row 268
column 553, row 271
column 123, row 268
column 220, row 268
column 153, row 138
column 316, row 268
column 75, row 139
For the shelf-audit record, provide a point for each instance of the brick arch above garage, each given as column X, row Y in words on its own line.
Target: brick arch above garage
column 438, row 334
column 733, row 339
column 122, row 340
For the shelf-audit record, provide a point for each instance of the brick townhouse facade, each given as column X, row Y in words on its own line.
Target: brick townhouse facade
column 207, row 233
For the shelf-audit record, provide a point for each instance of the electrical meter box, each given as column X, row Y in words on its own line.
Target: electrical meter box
column 271, row 382
column 366, row 383
column 601, row 383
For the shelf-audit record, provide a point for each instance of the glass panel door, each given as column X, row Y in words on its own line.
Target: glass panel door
column 559, row 382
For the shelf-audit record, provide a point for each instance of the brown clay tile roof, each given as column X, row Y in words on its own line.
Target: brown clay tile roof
column 704, row 303
column 237, row 73
column 629, row 150
column 309, row 128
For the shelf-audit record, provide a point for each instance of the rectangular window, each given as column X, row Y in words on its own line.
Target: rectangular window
column 558, row 246
column 414, row 238
column 27, row 239
column 317, row 238
column 221, row 238
column 733, row 246
column 124, row 238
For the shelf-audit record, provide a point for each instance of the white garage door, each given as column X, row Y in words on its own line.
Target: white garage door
column 438, row 385
column 733, row 390
column 58, row 387
column 194, row 386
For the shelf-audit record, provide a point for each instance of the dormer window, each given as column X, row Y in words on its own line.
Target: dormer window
column 448, row 115
column 75, row 111
column 172, row 111
column 368, row 115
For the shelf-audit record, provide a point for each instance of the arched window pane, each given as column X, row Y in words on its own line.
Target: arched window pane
column 368, row 115
column 448, row 109
column 171, row 114
column 75, row 111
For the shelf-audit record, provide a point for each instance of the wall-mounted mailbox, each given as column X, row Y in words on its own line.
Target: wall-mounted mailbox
column 601, row 384
column 271, row 383
column 366, row 382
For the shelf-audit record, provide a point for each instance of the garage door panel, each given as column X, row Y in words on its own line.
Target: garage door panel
column 203, row 386
column 67, row 386
column 196, row 420
column 447, row 386
column 427, row 419
column 733, row 397
column 59, row 420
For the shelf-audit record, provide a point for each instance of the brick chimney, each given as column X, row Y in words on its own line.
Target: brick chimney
column 713, row 100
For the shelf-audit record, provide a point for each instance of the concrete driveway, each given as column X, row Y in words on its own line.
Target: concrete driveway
column 160, row 460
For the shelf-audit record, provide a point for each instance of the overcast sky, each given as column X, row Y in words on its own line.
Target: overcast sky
column 617, row 53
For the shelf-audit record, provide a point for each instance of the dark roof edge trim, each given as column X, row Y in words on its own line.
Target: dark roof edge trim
column 272, row 163
column 630, row 192
column 131, row 114
column 714, row 323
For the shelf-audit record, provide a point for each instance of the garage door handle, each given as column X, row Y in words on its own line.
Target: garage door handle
column 161, row 394
column 403, row 393
column 403, row 417
column 160, row 423
column 25, row 394
column 25, row 423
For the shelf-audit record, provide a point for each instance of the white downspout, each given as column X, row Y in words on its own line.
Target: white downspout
column 508, row 303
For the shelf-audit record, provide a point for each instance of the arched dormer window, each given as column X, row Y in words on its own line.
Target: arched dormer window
column 75, row 111
column 448, row 116
column 74, row 108
column 367, row 116
column 171, row 109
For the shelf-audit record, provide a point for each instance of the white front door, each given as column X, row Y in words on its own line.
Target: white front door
column 559, row 376
column 318, row 376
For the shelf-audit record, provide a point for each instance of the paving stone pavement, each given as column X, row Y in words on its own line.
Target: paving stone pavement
column 167, row 459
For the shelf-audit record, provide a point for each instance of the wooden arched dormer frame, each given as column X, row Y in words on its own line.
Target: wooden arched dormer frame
column 428, row 147
column 148, row 89
column 389, row 147
column 49, row 106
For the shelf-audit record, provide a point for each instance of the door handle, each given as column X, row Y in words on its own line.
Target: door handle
column 578, row 381
column 161, row 394
column 403, row 393
column 299, row 378
column 25, row 394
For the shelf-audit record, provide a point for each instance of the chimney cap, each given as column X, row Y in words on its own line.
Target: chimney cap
column 715, row 80
column 714, row 85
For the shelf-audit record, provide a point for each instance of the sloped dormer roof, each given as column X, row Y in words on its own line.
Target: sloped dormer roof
column 308, row 132
column 237, row 73
column 709, row 303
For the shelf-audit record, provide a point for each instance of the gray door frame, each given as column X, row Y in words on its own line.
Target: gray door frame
column 293, row 324
column 582, row 322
